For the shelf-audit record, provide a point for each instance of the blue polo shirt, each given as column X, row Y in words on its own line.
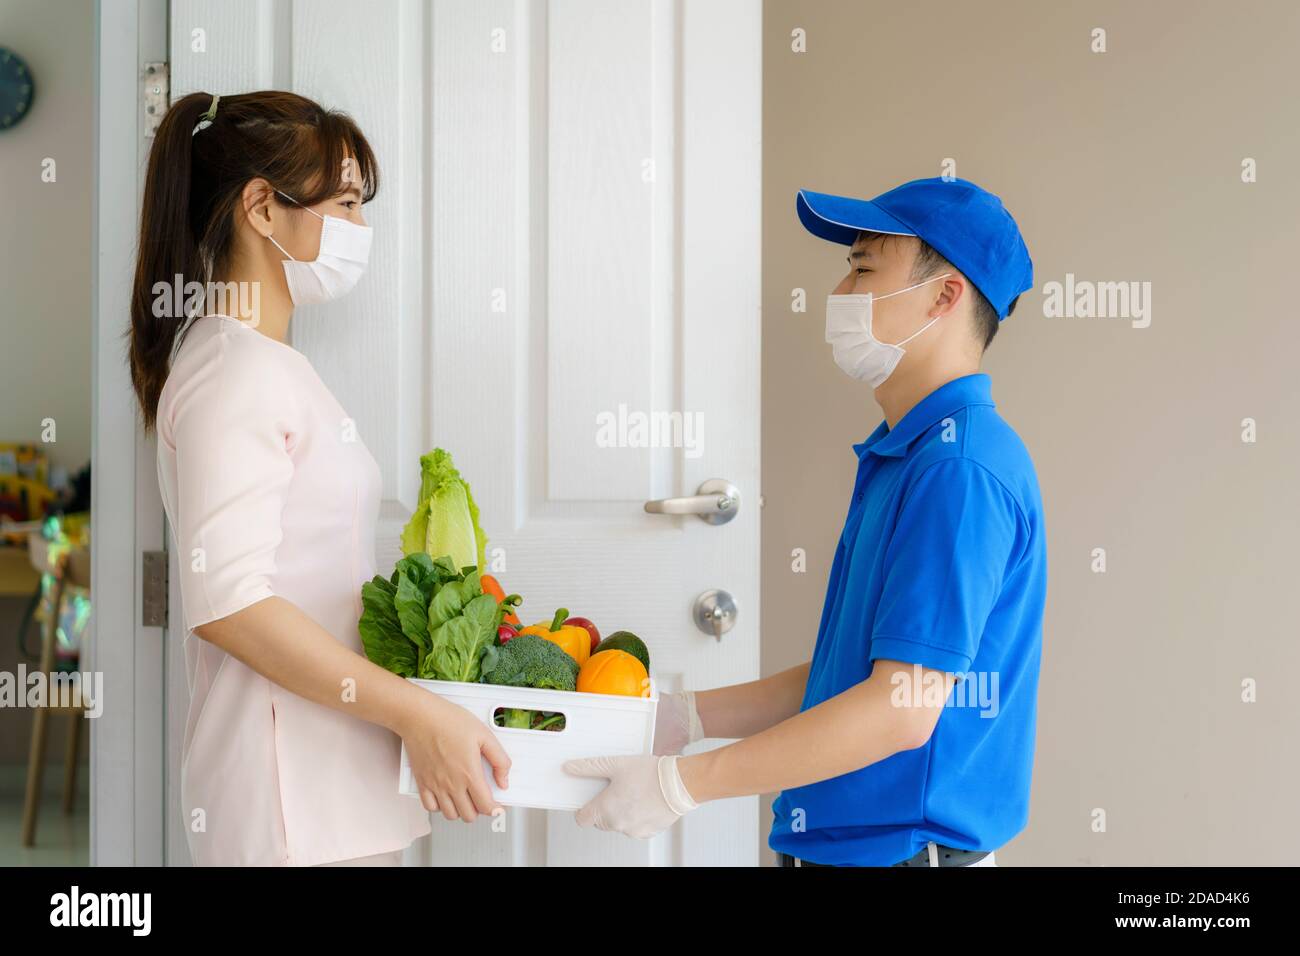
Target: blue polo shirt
column 942, row 563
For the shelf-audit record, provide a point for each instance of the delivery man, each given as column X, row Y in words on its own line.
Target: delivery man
column 908, row 740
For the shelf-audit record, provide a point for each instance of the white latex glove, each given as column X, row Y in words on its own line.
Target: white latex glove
column 645, row 795
column 677, row 723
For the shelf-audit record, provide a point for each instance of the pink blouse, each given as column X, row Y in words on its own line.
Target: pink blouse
column 269, row 491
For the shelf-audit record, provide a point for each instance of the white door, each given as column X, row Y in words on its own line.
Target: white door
column 128, row 741
column 567, row 245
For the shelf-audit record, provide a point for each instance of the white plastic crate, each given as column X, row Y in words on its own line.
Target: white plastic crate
column 596, row 725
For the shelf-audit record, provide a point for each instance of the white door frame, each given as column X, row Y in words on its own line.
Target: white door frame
column 127, row 741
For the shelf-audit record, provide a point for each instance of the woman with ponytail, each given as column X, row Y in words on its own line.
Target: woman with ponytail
column 292, row 742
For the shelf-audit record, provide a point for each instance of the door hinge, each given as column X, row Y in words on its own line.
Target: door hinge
column 157, row 94
column 153, row 593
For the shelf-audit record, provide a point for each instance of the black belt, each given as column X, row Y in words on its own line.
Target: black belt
column 948, row 856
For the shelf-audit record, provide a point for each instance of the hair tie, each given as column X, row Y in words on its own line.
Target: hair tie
column 206, row 119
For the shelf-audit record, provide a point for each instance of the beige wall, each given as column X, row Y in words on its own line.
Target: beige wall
column 45, row 260
column 1120, row 166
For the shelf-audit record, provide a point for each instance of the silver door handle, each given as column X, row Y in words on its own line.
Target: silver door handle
column 717, row 501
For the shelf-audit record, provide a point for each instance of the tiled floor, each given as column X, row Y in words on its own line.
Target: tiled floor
column 60, row 840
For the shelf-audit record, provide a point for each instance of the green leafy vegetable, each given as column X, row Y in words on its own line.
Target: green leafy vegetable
column 381, row 631
column 463, row 622
column 450, row 601
column 411, row 602
column 429, row 619
column 446, row 519
column 459, row 644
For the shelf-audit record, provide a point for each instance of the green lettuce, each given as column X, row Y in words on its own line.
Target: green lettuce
column 460, row 642
column 446, row 518
column 429, row 619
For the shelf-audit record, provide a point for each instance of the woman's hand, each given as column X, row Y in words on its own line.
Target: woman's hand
column 445, row 745
column 444, row 742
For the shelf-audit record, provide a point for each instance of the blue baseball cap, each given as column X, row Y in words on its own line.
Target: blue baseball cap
column 967, row 225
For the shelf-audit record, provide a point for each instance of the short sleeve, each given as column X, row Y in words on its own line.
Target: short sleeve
column 230, row 425
column 957, row 535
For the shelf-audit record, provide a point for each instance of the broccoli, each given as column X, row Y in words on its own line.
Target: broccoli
column 529, row 661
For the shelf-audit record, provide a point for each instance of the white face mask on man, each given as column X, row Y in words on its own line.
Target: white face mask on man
column 857, row 351
column 344, row 252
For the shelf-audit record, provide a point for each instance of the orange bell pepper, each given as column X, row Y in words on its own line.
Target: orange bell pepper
column 614, row 672
column 573, row 640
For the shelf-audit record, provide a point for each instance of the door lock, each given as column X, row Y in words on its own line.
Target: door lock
column 715, row 613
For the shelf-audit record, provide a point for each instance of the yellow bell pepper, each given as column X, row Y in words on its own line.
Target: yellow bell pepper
column 573, row 640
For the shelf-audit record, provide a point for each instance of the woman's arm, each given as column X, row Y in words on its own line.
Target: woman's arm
column 444, row 742
column 743, row 710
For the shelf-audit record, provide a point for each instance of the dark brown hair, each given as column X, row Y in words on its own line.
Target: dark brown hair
column 192, row 197
column 930, row 262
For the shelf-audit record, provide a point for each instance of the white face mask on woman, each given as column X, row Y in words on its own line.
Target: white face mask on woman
column 344, row 252
column 858, row 352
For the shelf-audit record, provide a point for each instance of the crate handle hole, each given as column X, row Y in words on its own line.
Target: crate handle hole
column 523, row 718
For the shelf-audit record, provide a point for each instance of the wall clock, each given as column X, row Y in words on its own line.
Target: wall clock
column 16, row 89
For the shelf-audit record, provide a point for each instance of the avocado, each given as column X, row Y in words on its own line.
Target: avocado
column 626, row 641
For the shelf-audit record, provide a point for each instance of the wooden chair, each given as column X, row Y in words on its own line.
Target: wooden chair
column 71, row 569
